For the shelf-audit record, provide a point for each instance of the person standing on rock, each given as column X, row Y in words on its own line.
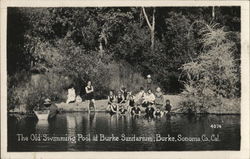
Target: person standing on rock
column 90, row 95
column 168, row 107
column 149, row 82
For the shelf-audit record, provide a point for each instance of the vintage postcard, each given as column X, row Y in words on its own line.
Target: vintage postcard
column 119, row 79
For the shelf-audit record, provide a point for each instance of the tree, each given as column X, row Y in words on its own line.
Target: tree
column 213, row 75
column 151, row 27
column 75, row 41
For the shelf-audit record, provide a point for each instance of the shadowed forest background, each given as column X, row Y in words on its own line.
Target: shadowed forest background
column 194, row 51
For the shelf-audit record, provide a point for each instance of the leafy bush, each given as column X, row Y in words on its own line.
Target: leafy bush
column 213, row 75
column 32, row 93
column 125, row 75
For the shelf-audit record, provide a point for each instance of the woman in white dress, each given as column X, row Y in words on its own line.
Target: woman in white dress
column 71, row 95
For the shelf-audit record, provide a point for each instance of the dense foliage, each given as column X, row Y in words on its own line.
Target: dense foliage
column 112, row 48
column 213, row 75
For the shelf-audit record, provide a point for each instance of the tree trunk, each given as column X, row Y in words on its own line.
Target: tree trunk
column 213, row 12
column 152, row 41
column 153, row 33
column 151, row 27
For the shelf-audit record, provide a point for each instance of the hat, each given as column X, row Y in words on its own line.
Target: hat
column 148, row 76
column 158, row 89
column 47, row 101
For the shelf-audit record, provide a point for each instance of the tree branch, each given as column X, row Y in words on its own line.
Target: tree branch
column 146, row 17
column 153, row 25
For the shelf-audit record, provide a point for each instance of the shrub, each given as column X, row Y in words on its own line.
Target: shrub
column 124, row 74
column 213, row 75
column 32, row 93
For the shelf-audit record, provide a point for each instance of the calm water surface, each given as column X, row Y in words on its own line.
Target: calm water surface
column 226, row 131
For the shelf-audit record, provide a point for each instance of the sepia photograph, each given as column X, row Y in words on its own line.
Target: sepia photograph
column 124, row 78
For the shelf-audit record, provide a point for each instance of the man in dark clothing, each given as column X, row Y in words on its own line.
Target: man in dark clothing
column 136, row 110
column 149, row 82
column 168, row 107
column 150, row 110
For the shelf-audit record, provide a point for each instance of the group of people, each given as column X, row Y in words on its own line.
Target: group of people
column 127, row 103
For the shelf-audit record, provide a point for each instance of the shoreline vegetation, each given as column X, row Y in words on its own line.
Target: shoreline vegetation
column 230, row 107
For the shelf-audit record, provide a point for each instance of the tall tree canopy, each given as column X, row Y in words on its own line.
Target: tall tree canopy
column 82, row 42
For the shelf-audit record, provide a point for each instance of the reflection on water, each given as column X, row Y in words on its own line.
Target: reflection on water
column 42, row 127
column 88, row 125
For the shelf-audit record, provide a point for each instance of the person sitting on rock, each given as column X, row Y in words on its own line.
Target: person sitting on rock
column 71, row 95
column 120, row 99
column 159, row 99
column 78, row 99
column 140, row 96
column 148, row 98
column 113, row 108
column 111, row 99
column 125, row 93
column 131, row 102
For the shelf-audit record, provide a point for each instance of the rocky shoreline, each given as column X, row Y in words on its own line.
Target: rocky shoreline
column 230, row 106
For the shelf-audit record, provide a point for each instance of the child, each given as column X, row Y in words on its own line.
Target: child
column 150, row 110
column 159, row 99
column 111, row 99
column 125, row 93
column 168, row 107
column 122, row 111
column 131, row 102
column 113, row 108
column 120, row 99
column 78, row 100
column 158, row 113
column 136, row 110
